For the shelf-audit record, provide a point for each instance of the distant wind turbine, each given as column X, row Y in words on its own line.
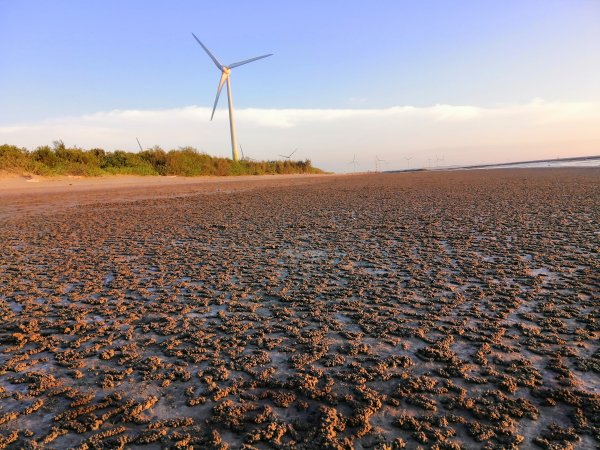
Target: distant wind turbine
column 225, row 77
column 378, row 163
column 408, row 158
column 354, row 162
column 290, row 155
column 138, row 141
column 244, row 158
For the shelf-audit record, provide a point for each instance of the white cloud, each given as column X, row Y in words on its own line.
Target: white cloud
column 329, row 137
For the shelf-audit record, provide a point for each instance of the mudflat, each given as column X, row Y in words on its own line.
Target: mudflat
column 445, row 310
column 20, row 194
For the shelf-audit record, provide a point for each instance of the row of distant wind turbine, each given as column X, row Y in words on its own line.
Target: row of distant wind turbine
column 244, row 158
column 437, row 161
column 225, row 78
column 288, row 157
column 378, row 162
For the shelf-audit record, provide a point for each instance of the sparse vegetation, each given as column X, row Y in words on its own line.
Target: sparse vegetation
column 186, row 161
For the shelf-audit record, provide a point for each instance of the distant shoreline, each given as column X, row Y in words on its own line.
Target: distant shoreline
column 11, row 183
column 534, row 161
column 507, row 165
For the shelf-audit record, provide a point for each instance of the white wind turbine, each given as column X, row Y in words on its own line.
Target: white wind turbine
column 354, row 162
column 225, row 77
column 378, row 162
column 438, row 159
column 408, row 158
column 244, row 158
column 290, row 155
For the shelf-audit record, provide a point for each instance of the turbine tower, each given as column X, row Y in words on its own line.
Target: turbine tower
column 225, row 77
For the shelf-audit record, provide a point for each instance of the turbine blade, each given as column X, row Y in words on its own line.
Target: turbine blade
column 240, row 63
column 217, row 63
column 293, row 152
column 221, row 83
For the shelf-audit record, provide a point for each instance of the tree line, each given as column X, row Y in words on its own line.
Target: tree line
column 185, row 161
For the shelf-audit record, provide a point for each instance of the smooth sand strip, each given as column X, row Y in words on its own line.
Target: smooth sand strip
column 20, row 195
column 17, row 184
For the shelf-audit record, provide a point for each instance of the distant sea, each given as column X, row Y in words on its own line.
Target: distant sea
column 583, row 161
column 591, row 162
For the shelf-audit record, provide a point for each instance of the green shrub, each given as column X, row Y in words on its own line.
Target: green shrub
column 46, row 156
column 13, row 158
column 186, row 161
column 156, row 157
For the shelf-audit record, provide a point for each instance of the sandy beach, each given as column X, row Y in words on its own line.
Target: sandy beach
column 443, row 310
column 13, row 184
column 19, row 194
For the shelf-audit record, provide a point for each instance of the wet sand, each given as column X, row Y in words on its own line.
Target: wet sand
column 22, row 194
column 443, row 310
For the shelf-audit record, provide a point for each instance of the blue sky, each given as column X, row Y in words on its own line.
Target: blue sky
column 69, row 60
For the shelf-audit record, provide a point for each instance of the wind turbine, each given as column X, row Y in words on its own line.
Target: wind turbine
column 225, row 77
column 290, row 155
column 378, row 163
column 408, row 158
column 354, row 162
column 244, row 158
column 138, row 141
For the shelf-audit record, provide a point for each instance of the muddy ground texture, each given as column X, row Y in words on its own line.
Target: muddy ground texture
column 425, row 310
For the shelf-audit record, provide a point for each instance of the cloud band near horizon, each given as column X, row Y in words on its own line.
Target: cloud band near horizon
column 463, row 134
